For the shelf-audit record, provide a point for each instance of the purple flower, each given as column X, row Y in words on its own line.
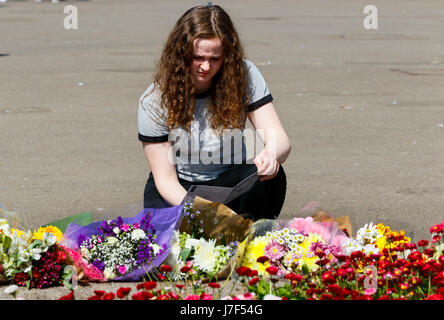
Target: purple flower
column 99, row 264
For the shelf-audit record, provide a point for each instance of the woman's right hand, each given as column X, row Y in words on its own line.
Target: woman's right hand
column 267, row 165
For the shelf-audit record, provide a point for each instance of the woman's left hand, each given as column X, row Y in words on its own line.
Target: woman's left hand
column 267, row 165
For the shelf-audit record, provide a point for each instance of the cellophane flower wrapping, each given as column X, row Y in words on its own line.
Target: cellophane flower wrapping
column 291, row 244
column 221, row 224
column 164, row 221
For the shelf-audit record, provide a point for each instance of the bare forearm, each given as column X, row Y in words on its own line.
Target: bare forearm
column 279, row 146
column 171, row 191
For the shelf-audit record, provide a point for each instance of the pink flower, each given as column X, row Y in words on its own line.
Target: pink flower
column 370, row 291
column 274, row 251
column 124, row 227
column 205, row 296
column 192, row 297
column 122, row 269
column 136, row 226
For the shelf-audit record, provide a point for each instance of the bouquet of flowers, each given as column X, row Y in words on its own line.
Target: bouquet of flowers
column 197, row 250
column 377, row 239
column 32, row 259
column 291, row 246
column 119, row 248
column 123, row 249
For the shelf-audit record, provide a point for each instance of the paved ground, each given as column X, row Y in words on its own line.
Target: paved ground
column 363, row 108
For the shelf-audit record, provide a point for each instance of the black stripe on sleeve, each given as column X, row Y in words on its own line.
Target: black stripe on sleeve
column 256, row 105
column 153, row 139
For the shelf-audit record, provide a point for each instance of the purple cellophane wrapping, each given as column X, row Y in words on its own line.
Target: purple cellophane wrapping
column 165, row 221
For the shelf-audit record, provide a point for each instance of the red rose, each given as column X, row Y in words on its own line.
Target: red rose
column 253, row 281
column 69, row 296
column 423, row 243
column 173, row 295
column 335, row 289
column 293, row 277
column 185, row 269
column 123, row 292
column 99, row 293
column 416, row 255
column 214, row 285
column 272, row 270
column 262, row 259
column 143, row 295
column 149, row 285
column 166, row 268
column 253, row 273
column 109, row 296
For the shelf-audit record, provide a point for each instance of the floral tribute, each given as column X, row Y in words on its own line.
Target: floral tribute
column 395, row 269
column 193, row 254
column 32, row 259
column 293, row 248
column 119, row 248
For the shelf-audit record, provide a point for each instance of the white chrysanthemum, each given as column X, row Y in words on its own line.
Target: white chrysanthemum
column 350, row 245
column 138, row 234
column 116, row 230
column 369, row 232
column 205, row 255
column 370, row 249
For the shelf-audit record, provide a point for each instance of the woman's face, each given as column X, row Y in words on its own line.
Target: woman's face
column 207, row 61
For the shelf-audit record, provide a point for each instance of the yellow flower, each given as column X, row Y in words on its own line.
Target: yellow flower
column 19, row 232
column 254, row 251
column 308, row 258
column 38, row 235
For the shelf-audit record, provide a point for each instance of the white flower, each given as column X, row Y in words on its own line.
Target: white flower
column 49, row 239
column 190, row 243
column 137, row 234
column 116, row 230
column 368, row 232
column 109, row 273
column 156, row 248
column 112, row 240
column 205, row 255
column 4, row 226
column 35, row 253
column 370, row 249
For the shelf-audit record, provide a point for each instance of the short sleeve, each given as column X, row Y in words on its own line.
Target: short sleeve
column 258, row 90
column 152, row 118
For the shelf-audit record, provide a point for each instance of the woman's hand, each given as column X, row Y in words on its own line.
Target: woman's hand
column 267, row 165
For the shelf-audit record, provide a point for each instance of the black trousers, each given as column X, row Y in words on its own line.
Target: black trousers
column 264, row 199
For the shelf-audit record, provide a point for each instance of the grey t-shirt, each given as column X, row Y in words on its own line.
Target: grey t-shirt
column 202, row 154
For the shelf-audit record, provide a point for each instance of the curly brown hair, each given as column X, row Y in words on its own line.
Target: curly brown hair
column 173, row 77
